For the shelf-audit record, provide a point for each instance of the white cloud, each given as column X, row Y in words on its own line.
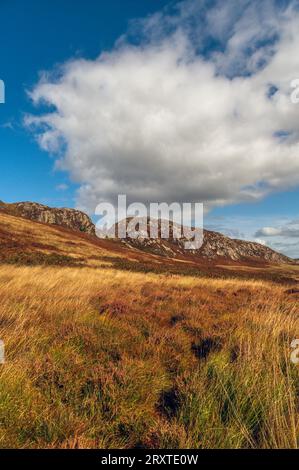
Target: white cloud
column 291, row 231
column 158, row 121
column 268, row 232
column 282, row 237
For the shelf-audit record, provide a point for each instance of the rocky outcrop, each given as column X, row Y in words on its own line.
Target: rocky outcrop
column 215, row 246
column 69, row 218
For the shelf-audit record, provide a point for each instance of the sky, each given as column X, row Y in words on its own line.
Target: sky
column 173, row 101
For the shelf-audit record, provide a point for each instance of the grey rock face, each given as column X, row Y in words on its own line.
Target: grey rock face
column 69, row 218
column 215, row 246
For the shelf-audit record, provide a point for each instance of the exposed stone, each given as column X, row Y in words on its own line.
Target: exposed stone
column 215, row 246
column 69, row 218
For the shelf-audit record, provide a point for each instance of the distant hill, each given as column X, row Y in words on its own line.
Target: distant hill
column 69, row 218
column 215, row 248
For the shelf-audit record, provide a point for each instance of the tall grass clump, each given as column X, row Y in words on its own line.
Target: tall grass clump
column 105, row 358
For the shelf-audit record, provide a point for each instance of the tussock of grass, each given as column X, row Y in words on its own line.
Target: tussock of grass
column 109, row 358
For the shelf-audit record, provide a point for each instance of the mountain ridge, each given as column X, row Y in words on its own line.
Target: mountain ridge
column 64, row 217
column 216, row 246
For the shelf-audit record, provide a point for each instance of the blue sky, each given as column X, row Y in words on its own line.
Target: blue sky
column 35, row 36
column 217, row 43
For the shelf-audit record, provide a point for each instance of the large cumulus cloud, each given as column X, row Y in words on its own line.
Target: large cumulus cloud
column 169, row 119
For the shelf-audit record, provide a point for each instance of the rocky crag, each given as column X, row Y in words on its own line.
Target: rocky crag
column 215, row 246
column 69, row 218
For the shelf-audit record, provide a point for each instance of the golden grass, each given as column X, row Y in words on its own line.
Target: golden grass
column 26, row 236
column 111, row 359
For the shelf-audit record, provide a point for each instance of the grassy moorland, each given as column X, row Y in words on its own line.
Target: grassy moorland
column 106, row 358
column 101, row 355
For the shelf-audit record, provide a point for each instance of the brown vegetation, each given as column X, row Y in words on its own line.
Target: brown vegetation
column 100, row 356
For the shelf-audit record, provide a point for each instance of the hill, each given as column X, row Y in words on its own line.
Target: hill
column 31, row 243
column 107, row 346
column 216, row 247
column 69, row 218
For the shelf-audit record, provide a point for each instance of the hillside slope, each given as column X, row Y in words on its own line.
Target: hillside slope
column 27, row 242
column 69, row 218
column 215, row 245
column 109, row 346
column 31, row 243
column 99, row 357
